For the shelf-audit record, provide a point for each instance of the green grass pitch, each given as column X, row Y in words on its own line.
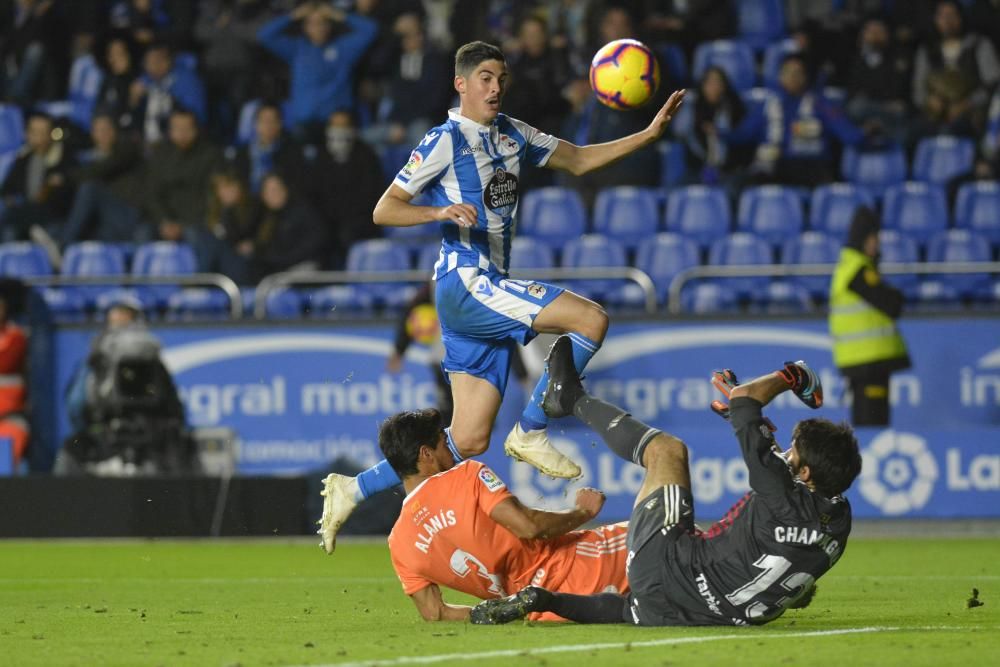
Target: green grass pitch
column 896, row 601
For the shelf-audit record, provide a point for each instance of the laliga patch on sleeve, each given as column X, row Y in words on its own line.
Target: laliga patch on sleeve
column 492, row 482
column 411, row 166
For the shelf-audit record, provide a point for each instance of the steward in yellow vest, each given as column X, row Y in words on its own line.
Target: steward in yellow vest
column 867, row 346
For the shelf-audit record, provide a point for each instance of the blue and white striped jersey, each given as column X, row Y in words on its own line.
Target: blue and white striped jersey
column 461, row 161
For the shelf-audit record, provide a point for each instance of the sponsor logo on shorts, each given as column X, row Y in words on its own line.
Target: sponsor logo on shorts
column 484, row 287
column 536, row 290
column 492, row 482
column 710, row 600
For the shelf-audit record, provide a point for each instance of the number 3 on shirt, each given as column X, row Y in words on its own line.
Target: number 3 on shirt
column 773, row 568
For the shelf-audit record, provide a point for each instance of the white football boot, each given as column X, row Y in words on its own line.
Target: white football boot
column 534, row 448
column 338, row 503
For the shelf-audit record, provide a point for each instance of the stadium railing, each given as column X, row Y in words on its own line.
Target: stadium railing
column 288, row 279
column 675, row 306
column 224, row 283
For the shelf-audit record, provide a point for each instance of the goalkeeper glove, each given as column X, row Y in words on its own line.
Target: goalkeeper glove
column 803, row 382
column 725, row 381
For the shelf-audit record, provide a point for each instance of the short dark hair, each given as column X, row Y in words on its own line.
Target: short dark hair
column 402, row 435
column 831, row 452
column 468, row 56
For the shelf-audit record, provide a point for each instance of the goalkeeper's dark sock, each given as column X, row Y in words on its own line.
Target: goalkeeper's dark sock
column 625, row 435
column 376, row 479
column 600, row 608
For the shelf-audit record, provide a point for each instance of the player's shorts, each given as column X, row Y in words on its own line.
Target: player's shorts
column 659, row 520
column 483, row 315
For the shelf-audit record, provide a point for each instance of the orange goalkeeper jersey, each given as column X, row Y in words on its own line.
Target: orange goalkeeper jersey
column 445, row 536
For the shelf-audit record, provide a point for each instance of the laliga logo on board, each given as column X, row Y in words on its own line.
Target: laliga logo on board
column 899, row 473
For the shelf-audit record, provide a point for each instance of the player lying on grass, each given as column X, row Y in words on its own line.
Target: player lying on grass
column 748, row 568
column 460, row 527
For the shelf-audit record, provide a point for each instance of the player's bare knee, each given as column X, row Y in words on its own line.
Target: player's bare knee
column 665, row 450
column 595, row 326
column 471, row 443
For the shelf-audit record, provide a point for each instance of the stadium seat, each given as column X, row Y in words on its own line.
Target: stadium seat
column 663, row 257
column 735, row 58
column 11, row 128
column 245, row 125
column 760, row 22
column 162, row 258
column 21, row 259
column 699, row 212
column 673, row 161
column 811, row 248
column 552, row 214
column 832, row 207
column 531, row 254
column 393, row 158
column 109, row 298
column 772, row 212
column 706, row 298
column 897, row 248
column 91, row 258
column 774, row 56
column 978, row 209
column 917, row 209
column 85, row 78
column 627, row 214
column 961, row 246
column 376, row 256
column 414, row 237
column 283, row 304
column 741, row 249
column 333, row 300
column 673, row 66
column 198, row 303
column 428, row 256
column 6, row 162
column 64, row 305
column 783, row 297
column 939, row 159
column 595, row 251
column 876, row 170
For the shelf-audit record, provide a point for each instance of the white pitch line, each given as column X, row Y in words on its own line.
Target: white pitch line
column 575, row 648
column 198, row 580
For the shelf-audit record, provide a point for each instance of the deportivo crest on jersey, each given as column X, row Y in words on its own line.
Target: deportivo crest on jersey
column 536, row 290
column 500, row 194
column 508, row 145
column 491, row 481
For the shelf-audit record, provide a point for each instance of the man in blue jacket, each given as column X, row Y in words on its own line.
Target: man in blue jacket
column 164, row 86
column 322, row 64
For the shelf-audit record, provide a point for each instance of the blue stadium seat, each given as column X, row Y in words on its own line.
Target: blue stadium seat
column 379, row 256
column 284, row 304
column 740, row 249
column 915, row 208
column 772, row 212
column 735, row 58
column 876, row 170
column 393, row 158
column 590, row 251
column 774, row 56
column 760, row 21
column 699, row 212
column 663, row 257
column 162, row 258
column 553, row 214
column 85, row 78
column 428, row 256
column 783, row 296
column 198, row 303
column 11, row 128
column 706, row 298
column 939, row 159
column 897, row 248
column 978, row 209
column 333, row 300
column 832, row 208
column 64, row 305
column 961, row 245
column 245, row 125
column 414, row 238
column 627, row 214
column 811, row 248
column 109, row 298
column 673, row 161
column 673, row 65
column 531, row 254
column 21, row 259
column 92, row 258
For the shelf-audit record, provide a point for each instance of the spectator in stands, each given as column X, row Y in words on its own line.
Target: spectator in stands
column 801, row 125
column 119, row 74
column 109, row 186
column 347, row 183
column 322, row 63
column 232, row 213
column 953, row 74
column 417, row 90
column 538, row 75
column 24, row 26
column 143, row 20
column 163, row 87
column 724, row 133
column 37, row 192
column 13, row 361
column 288, row 234
column 877, row 89
column 269, row 150
column 990, row 145
column 867, row 346
column 567, row 23
column 177, row 185
column 687, row 22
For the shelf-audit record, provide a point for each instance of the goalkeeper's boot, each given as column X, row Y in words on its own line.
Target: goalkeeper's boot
column 511, row 608
column 564, row 388
column 338, row 503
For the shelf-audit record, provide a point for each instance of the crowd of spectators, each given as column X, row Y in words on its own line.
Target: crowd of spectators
column 257, row 130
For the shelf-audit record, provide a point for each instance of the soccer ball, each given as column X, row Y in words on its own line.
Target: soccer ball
column 422, row 324
column 624, row 74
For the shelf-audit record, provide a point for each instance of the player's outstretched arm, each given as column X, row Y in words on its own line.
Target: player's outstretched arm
column 432, row 606
column 530, row 524
column 796, row 376
column 395, row 210
column 579, row 160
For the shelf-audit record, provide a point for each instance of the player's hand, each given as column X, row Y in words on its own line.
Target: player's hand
column 463, row 215
column 725, row 381
column 590, row 501
column 666, row 112
column 803, row 382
